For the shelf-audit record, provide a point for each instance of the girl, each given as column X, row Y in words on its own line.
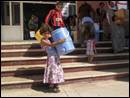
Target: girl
column 90, row 47
column 53, row 74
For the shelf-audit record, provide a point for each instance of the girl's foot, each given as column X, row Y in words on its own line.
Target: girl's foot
column 56, row 88
column 53, row 88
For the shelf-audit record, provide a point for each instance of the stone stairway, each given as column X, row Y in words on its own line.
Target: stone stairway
column 22, row 64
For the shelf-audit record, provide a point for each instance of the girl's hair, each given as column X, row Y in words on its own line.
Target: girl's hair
column 45, row 28
column 59, row 3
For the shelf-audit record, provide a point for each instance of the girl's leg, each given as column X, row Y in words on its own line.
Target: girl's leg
column 91, row 58
column 51, row 85
column 88, row 58
column 47, row 85
column 56, row 88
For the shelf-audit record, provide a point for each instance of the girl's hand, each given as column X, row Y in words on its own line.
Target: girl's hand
column 45, row 43
column 61, row 41
column 58, row 42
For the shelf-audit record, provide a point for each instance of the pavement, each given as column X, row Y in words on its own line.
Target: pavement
column 104, row 88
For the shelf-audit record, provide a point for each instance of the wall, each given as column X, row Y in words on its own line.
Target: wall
column 11, row 33
column 94, row 4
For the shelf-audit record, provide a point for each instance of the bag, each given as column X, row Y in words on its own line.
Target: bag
column 32, row 34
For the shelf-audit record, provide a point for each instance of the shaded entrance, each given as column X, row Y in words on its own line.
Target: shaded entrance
column 40, row 10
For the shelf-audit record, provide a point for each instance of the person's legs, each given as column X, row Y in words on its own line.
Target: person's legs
column 56, row 88
column 82, row 35
column 91, row 58
column 97, row 36
column 86, row 30
column 53, row 88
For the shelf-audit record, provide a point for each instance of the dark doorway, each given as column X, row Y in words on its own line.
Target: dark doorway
column 40, row 10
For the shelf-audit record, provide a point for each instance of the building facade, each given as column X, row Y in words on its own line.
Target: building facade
column 16, row 14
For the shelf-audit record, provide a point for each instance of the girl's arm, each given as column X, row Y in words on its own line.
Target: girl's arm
column 46, row 43
column 58, row 42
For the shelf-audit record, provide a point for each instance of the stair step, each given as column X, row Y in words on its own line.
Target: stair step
column 23, row 64
column 28, row 81
column 7, row 61
column 40, row 52
column 65, row 56
column 35, row 45
column 36, row 42
column 68, row 67
column 19, row 42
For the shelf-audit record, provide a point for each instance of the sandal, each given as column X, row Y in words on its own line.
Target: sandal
column 56, row 89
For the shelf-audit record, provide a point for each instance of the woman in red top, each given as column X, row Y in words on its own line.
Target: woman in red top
column 54, row 17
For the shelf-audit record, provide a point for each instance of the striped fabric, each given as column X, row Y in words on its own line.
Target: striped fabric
column 56, row 17
column 90, row 47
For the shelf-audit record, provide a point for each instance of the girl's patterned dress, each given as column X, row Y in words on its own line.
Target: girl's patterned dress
column 90, row 45
column 53, row 73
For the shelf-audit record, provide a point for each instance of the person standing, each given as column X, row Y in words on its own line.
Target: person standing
column 123, row 10
column 54, row 71
column 101, row 14
column 33, row 26
column 54, row 18
column 97, row 30
column 116, row 27
column 86, row 15
column 69, row 24
column 90, row 47
column 53, row 74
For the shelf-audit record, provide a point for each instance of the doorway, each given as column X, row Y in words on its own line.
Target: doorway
column 40, row 10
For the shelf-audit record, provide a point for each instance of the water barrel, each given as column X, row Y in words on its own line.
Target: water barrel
column 65, row 47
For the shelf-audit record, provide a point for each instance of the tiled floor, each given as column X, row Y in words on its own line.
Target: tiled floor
column 108, row 88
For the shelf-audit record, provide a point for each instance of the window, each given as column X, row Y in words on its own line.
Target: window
column 72, row 10
column 68, row 10
column 5, row 16
column 55, row 1
column 15, row 13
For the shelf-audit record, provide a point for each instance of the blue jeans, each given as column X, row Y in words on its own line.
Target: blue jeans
column 97, row 35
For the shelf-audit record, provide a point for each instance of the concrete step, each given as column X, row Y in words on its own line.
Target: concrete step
column 116, row 88
column 40, row 52
column 68, row 67
column 35, row 45
column 7, row 61
column 29, row 81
